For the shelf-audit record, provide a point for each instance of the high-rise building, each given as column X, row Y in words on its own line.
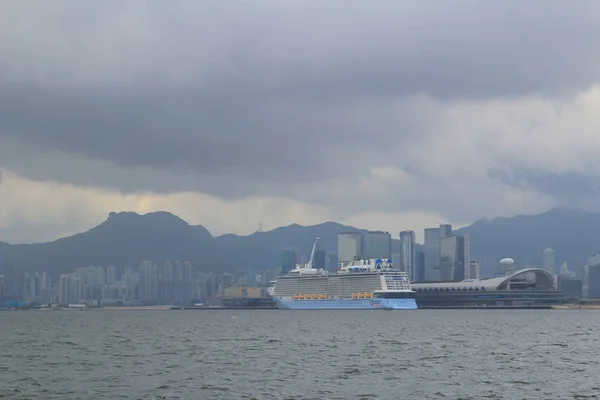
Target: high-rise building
column 452, row 258
column 433, row 237
column 148, row 286
column 407, row 253
column 474, row 270
column 31, row 287
column 565, row 271
column 111, row 275
column 591, row 277
column 14, row 281
column 63, row 289
column 420, row 266
column 397, row 261
column 289, row 259
column 549, row 260
column 319, row 259
column 250, row 276
column 585, row 282
column 572, row 288
column 467, row 255
column 332, row 262
column 445, row 230
column 349, row 246
column 377, row 245
column 166, row 282
column 188, row 271
column 431, row 248
column 594, row 281
column 227, row 280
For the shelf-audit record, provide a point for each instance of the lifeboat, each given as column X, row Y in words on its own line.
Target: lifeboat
column 321, row 296
column 301, row 297
column 296, row 297
column 354, row 295
column 361, row 295
column 307, row 296
column 368, row 295
column 315, row 296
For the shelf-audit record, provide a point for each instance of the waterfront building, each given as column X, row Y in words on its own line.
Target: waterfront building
column 530, row 287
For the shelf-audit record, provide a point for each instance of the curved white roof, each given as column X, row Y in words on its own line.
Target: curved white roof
column 540, row 276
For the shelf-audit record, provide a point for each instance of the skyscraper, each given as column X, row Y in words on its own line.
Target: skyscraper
column 453, row 259
column 431, row 248
column 420, row 266
column 289, row 259
column 407, row 253
column 148, row 286
column 474, row 270
column 433, row 237
column 250, row 276
column 593, row 281
column 377, row 245
column 445, row 230
column 332, row 262
column 349, row 246
column 396, row 260
column 14, row 281
column 467, row 249
column 111, row 275
column 549, row 260
column 585, row 287
column 319, row 259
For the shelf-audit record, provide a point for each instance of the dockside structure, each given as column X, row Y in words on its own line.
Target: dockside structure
column 527, row 288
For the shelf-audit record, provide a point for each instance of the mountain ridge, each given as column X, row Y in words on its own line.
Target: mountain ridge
column 572, row 233
column 128, row 238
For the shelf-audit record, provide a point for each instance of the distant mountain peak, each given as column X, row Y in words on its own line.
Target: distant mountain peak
column 155, row 215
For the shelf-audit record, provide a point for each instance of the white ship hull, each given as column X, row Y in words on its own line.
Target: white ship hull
column 346, row 304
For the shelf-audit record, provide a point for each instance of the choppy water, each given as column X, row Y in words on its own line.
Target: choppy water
column 424, row 354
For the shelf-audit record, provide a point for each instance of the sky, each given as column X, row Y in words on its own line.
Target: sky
column 238, row 114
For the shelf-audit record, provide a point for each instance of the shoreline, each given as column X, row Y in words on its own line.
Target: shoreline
column 192, row 308
column 577, row 307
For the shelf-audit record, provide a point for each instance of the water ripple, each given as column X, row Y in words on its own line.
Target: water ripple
column 450, row 354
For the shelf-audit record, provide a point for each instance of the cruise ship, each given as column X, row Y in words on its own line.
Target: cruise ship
column 371, row 284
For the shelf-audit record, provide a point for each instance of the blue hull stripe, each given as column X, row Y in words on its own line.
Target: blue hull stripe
column 346, row 304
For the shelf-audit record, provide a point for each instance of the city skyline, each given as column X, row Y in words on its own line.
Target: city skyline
column 147, row 283
column 179, row 282
column 445, row 257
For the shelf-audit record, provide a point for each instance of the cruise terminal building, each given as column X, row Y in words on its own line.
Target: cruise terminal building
column 527, row 288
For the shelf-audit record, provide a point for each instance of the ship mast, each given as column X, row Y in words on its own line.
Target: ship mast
column 312, row 253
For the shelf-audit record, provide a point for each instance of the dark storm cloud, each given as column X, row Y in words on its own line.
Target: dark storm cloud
column 269, row 93
column 568, row 187
column 178, row 130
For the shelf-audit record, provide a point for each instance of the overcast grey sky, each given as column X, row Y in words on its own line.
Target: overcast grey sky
column 385, row 114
